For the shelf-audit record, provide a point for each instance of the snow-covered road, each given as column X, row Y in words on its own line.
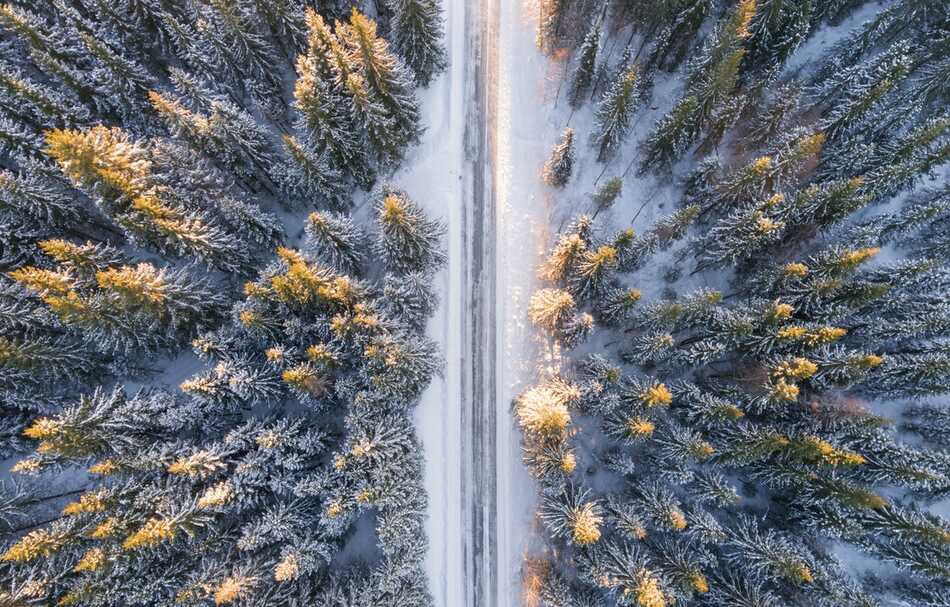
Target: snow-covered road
column 477, row 168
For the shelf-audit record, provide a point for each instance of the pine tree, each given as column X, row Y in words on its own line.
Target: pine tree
column 418, row 31
column 616, row 110
column 310, row 175
column 672, row 134
column 766, row 553
column 231, row 26
column 607, row 194
column 245, row 141
column 31, row 29
column 774, row 118
column 778, row 28
column 913, row 374
column 400, row 367
column 285, row 18
column 784, row 370
column 674, row 40
column 409, row 240
column 853, row 93
column 710, row 86
column 35, row 103
column 933, row 423
column 592, row 272
column 321, row 102
column 543, row 409
column 628, row 574
column 170, row 296
column 124, row 80
column 557, row 170
column 410, row 298
column 660, row 237
column 227, row 133
column 373, row 119
column 118, row 174
column 550, row 309
column 742, row 234
column 584, row 72
column 35, row 360
column 617, row 305
column 385, row 75
column 572, row 516
column 164, row 473
column 120, row 307
column 247, row 218
column 336, row 240
column 32, row 195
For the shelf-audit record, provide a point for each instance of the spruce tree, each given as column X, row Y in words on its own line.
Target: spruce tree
column 557, row 170
column 322, row 104
column 117, row 173
column 417, row 36
column 584, row 72
column 607, row 194
column 674, row 40
column 778, row 28
column 710, row 86
column 686, row 395
column 386, row 76
column 309, row 175
column 616, row 111
column 336, row 240
column 409, row 239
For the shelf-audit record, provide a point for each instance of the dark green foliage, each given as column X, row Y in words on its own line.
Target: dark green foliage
column 410, row 241
column 676, row 37
column 607, row 194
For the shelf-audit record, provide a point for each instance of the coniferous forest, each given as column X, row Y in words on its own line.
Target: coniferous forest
column 768, row 426
column 176, row 185
column 223, row 303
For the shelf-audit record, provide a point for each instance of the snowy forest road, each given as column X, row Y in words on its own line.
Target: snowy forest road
column 479, row 412
column 504, row 211
column 505, row 142
column 480, row 497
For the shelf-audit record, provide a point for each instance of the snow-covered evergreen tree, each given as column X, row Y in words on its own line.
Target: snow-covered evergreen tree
column 557, row 170
column 417, row 36
column 616, row 110
column 586, row 69
column 409, row 241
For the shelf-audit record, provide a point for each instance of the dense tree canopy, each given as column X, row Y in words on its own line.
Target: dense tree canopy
column 191, row 418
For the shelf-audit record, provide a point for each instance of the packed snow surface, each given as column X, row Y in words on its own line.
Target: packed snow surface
column 433, row 177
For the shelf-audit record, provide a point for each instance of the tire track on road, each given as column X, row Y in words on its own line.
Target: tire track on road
column 479, row 418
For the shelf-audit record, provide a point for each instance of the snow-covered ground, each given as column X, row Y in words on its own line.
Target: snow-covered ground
column 433, row 177
column 523, row 130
